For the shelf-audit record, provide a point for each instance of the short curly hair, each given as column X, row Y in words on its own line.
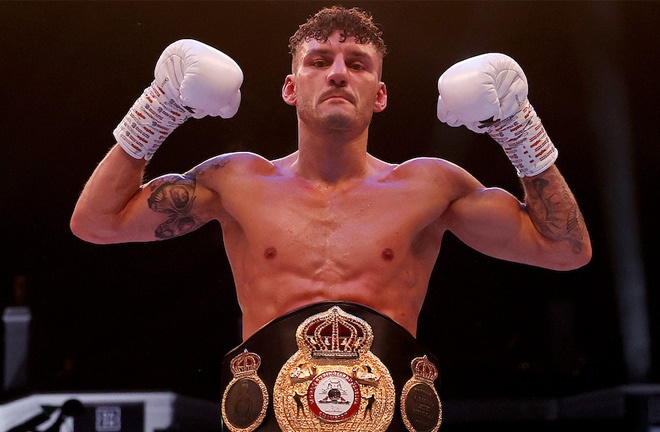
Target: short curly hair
column 354, row 22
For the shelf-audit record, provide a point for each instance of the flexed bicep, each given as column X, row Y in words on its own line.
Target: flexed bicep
column 490, row 220
column 497, row 224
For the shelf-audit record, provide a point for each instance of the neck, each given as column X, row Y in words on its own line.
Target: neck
column 331, row 158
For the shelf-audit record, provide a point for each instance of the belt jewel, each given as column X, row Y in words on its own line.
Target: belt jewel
column 245, row 400
column 421, row 409
column 333, row 382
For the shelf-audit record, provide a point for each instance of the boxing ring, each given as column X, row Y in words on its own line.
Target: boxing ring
column 634, row 408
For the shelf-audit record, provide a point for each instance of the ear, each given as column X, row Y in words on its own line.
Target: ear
column 381, row 98
column 289, row 90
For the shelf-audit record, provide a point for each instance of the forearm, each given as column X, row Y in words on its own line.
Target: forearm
column 106, row 196
column 191, row 79
column 555, row 212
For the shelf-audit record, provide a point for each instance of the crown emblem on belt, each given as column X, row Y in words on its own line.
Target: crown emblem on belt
column 335, row 334
column 246, row 363
column 424, row 370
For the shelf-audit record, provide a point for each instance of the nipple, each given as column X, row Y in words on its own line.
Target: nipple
column 270, row 253
column 388, row 254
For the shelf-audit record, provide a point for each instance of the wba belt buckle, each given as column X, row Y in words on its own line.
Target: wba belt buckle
column 333, row 382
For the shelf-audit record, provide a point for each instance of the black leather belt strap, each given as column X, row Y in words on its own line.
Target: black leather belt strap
column 275, row 343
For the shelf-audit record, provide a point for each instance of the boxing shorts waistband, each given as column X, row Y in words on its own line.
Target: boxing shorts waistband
column 330, row 366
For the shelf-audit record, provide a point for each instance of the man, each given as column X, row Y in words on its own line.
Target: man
column 330, row 222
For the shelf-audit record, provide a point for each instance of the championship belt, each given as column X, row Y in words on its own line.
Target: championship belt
column 331, row 366
column 333, row 382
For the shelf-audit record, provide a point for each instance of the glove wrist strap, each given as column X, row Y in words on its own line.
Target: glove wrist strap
column 525, row 142
column 151, row 119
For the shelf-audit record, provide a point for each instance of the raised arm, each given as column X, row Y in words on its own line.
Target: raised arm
column 547, row 230
column 191, row 80
column 488, row 93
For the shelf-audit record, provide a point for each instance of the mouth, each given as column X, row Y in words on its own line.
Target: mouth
column 337, row 96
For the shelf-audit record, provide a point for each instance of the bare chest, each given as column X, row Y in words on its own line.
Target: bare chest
column 290, row 245
column 353, row 229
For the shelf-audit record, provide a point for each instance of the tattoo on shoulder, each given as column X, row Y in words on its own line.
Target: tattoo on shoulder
column 220, row 162
column 174, row 196
column 210, row 166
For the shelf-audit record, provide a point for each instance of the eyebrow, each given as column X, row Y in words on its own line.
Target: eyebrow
column 324, row 51
column 354, row 53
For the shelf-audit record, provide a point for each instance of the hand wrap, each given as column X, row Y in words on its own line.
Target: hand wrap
column 151, row 119
column 525, row 141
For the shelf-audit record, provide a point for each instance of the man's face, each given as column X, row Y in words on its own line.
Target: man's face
column 335, row 84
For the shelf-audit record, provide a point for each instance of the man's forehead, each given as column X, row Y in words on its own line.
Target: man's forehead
column 337, row 41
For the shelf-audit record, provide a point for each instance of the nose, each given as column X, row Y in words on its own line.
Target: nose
column 338, row 73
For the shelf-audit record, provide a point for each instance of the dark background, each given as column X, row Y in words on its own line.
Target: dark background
column 161, row 315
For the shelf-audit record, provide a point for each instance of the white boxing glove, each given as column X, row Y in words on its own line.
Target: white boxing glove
column 488, row 93
column 488, row 87
column 201, row 78
column 191, row 80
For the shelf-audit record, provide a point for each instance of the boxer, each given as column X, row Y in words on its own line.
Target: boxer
column 330, row 222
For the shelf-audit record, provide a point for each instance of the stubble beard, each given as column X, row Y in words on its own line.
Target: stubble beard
column 338, row 120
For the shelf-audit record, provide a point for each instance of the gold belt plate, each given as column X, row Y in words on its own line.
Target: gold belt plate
column 334, row 382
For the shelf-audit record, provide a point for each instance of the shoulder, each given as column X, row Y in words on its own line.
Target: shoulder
column 232, row 164
column 438, row 179
column 433, row 170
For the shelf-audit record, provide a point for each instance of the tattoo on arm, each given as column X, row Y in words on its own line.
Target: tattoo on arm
column 174, row 196
column 213, row 164
column 553, row 209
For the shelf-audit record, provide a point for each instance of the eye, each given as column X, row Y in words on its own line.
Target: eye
column 357, row 66
column 318, row 63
